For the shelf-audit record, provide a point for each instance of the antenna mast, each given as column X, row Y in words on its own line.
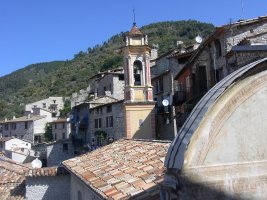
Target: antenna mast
column 242, row 7
column 134, row 16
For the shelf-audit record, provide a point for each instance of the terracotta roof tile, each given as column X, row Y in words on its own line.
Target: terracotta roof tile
column 135, row 30
column 12, row 179
column 123, row 169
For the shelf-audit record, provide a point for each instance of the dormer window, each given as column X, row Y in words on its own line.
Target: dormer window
column 137, row 72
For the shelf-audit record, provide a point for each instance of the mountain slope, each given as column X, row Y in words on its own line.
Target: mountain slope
column 62, row 78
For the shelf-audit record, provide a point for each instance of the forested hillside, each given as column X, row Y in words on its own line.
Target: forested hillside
column 62, row 78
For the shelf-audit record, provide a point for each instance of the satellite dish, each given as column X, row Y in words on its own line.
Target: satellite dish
column 165, row 102
column 36, row 163
column 198, row 39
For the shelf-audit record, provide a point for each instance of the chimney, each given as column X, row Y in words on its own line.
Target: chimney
column 14, row 117
column 5, row 119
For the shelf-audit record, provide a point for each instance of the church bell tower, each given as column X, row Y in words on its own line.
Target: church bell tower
column 138, row 94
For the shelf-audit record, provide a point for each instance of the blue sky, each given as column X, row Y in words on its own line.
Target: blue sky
column 33, row 31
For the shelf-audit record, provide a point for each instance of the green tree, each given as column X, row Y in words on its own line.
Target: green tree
column 48, row 133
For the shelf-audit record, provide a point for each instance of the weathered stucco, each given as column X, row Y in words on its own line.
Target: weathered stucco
column 226, row 154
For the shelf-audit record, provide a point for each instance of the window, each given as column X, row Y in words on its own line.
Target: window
column 98, row 123
column 141, row 122
column 65, row 147
column 99, row 110
column 55, row 125
column 63, row 125
column 121, row 77
column 159, row 86
column 110, row 118
column 44, row 105
column 63, row 136
column 109, row 108
column 6, row 127
column 137, row 66
column 109, row 121
column 26, row 125
column 54, row 101
column 218, row 48
column 54, row 114
column 13, row 126
column 80, row 195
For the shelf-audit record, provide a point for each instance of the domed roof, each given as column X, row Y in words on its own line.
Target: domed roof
column 176, row 153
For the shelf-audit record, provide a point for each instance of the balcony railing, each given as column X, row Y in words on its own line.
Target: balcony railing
column 163, row 110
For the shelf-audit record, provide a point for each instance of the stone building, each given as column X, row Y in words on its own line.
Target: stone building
column 220, row 152
column 163, row 74
column 30, row 127
column 125, row 169
column 51, row 104
column 60, row 129
column 227, row 49
column 108, row 118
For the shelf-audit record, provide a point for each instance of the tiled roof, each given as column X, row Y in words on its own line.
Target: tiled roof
column 60, row 120
column 12, row 179
column 123, row 169
column 47, row 171
column 25, row 118
column 135, row 30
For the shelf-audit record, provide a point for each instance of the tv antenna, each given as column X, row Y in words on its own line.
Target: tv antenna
column 134, row 15
column 242, row 9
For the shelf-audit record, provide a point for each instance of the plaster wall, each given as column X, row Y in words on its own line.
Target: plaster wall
column 140, row 122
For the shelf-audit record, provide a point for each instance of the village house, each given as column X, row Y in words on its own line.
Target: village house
column 227, row 49
column 30, row 127
column 17, row 149
column 106, row 120
column 163, row 72
column 124, row 169
column 51, row 104
column 60, row 129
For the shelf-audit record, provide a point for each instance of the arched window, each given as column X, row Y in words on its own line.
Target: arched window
column 137, row 66
column 218, row 48
column 80, row 195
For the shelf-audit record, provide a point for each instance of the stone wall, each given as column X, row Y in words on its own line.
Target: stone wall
column 117, row 131
column 55, row 153
column 77, row 186
column 48, row 187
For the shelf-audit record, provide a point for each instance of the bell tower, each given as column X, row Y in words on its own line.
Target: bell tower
column 138, row 94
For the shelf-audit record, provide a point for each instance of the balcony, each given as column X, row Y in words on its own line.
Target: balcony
column 163, row 110
column 182, row 96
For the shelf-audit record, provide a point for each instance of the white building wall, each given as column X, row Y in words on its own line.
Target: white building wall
column 16, row 143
